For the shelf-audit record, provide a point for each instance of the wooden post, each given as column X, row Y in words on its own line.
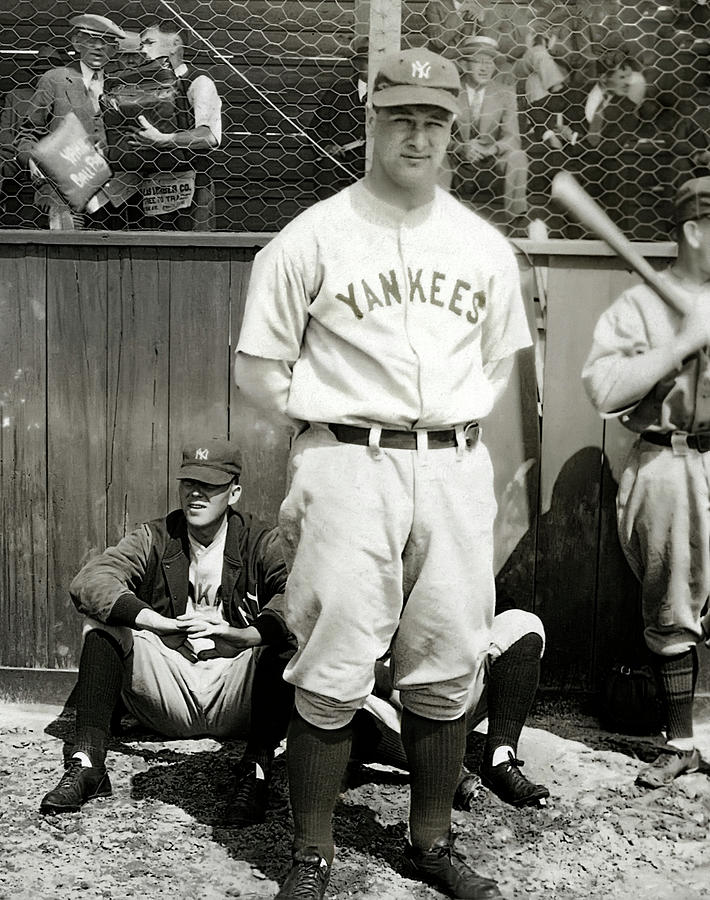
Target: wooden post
column 382, row 21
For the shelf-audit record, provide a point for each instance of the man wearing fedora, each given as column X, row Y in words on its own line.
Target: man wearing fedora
column 486, row 132
column 75, row 88
column 184, row 625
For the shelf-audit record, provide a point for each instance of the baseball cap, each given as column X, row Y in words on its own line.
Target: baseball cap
column 213, row 461
column 416, row 77
column 97, row 26
column 693, row 200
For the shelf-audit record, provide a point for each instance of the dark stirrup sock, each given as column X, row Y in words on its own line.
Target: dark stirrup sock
column 98, row 692
column 435, row 752
column 271, row 705
column 512, row 684
column 678, row 675
column 317, row 759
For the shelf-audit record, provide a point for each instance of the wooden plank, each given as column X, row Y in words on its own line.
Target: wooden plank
column 138, row 387
column 512, row 434
column 199, row 352
column 23, row 475
column 265, row 446
column 76, row 431
column 569, row 477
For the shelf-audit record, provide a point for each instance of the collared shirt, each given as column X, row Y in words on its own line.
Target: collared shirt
column 94, row 82
column 205, row 102
column 475, row 100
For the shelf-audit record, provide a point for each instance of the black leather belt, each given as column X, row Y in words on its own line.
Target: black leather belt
column 699, row 441
column 403, row 440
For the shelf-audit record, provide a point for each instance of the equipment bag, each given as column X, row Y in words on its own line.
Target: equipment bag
column 630, row 701
column 68, row 158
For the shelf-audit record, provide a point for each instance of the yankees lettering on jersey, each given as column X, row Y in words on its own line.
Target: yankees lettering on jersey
column 386, row 316
column 424, row 286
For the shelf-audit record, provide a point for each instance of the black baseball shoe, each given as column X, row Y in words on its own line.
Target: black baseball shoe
column 247, row 804
column 443, row 868
column 77, row 785
column 308, row 878
column 508, row 782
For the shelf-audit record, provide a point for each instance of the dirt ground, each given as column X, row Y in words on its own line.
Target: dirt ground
column 160, row 835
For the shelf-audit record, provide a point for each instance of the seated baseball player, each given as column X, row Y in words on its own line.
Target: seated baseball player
column 184, row 626
column 504, row 693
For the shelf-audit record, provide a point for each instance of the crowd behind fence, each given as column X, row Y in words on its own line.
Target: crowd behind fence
column 226, row 115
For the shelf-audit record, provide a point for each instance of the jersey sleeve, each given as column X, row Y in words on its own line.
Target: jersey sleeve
column 619, row 335
column 278, row 298
column 505, row 328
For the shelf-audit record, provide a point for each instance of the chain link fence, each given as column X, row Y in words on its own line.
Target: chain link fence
column 616, row 91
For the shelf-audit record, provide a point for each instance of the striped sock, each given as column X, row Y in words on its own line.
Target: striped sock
column 678, row 675
column 317, row 759
column 98, row 692
column 512, row 685
column 435, row 752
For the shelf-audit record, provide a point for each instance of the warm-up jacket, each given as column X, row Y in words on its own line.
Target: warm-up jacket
column 149, row 568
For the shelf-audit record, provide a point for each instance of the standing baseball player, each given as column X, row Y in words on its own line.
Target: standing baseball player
column 383, row 321
column 649, row 366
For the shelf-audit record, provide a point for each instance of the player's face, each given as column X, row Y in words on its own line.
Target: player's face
column 94, row 50
column 480, row 69
column 155, row 44
column 409, row 145
column 205, row 505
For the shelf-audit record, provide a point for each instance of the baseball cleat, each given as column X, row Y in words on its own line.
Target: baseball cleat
column 247, row 805
column 443, row 868
column 308, row 878
column 671, row 763
column 508, row 782
column 77, row 785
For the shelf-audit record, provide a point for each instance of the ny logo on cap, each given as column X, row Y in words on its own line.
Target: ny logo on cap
column 421, row 69
column 201, row 454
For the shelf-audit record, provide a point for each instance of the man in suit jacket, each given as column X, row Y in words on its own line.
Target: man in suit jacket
column 449, row 22
column 73, row 88
column 486, row 131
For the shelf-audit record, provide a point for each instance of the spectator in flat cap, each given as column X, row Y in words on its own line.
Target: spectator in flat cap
column 75, row 87
column 184, row 626
column 486, row 132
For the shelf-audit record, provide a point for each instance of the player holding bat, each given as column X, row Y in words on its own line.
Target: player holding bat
column 650, row 366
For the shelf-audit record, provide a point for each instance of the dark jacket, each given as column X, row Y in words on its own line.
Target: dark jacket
column 149, row 568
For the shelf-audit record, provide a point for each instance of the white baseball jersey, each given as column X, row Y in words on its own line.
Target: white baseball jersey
column 387, row 317
column 637, row 322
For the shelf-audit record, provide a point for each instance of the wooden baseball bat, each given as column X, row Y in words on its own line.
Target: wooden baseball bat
column 570, row 193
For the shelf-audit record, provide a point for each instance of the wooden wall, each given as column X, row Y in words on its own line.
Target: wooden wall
column 116, row 348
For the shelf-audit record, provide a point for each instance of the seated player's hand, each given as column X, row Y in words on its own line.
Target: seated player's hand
column 178, row 642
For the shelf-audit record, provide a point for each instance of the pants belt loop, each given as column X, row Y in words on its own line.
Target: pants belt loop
column 422, row 440
column 373, row 442
column 460, row 441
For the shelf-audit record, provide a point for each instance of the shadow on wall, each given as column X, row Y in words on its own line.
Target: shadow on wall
column 584, row 591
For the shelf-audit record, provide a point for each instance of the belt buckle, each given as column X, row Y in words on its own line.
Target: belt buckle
column 472, row 433
column 679, row 443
